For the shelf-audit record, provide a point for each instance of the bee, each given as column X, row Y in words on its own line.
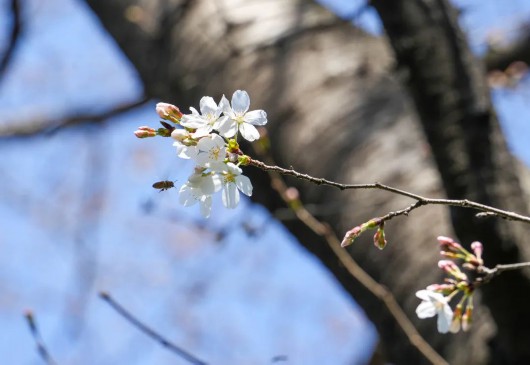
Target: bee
column 163, row 185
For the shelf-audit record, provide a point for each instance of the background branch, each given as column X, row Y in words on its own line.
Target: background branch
column 14, row 37
column 41, row 347
column 149, row 332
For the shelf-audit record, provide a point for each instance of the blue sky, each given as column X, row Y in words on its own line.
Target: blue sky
column 78, row 215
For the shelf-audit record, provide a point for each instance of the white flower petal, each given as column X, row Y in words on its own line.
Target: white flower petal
column 240, row 102
column 243, row 183
column 228, row 128
column 256, row 117
column 225, row 106
column 249, row 132
column 425, row 310
column 208, row 105
column 230, row 196
column 206, row 206
column 187, row 196
column 444, row 319
column 424, row 294
column 192, row 121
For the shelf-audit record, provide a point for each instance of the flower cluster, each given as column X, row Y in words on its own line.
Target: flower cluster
column 436, row 297
column 209, row 138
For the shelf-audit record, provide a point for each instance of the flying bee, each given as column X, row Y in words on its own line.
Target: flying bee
column 163, row 185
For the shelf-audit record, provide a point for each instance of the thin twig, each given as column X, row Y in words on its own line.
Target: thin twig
column 323, row 230
column 420, row 200
column 499, row 269
column 148, row 331
column 21, row 129
column 41, row 347
column 13, row 38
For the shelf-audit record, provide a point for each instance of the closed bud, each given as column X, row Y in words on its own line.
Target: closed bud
column 168, row 112
column 379, row 237
column 457, row 318
column 466, row 318
column 444, row 289
column 350, row 236
column 145, row 132
column 477, row 249
column 448, row 244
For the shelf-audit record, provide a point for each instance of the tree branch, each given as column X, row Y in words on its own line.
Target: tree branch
column 149, row 332
column 420, row 200
column 41, row 347
column 21, row 129
column 13, row 38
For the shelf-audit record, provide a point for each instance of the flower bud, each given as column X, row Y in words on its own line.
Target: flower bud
column 379, row 237
column 477, row 249
column 243, row 160
column 168, row 112
column 145, row 132
column 180, row 134
column 449, row 245
column 350, row 236
column 451, row 268
column 445, row 289
column 457, row 317
column 466, row 318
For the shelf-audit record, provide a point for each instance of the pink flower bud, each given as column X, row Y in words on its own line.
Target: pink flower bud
column 292, row 194
column 477, row 249
column 449, row 245
column 451, row 268
column 442, row 288
column 350, row 236
column 466, row 318
column 168, row 111
column 145, row 132
column 379, row 238
column 457, row 317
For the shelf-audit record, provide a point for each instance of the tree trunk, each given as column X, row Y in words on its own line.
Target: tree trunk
column 336, row 110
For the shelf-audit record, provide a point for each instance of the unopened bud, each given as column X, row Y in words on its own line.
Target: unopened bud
column 477, row 249
column 466, row 318
column 451, row 268
column 444, row 289
column 448, row 244
column 457, row 317
column 379, row 237
column 350, row 236
column 180, row 134
column 168, row 112
column 145, row 132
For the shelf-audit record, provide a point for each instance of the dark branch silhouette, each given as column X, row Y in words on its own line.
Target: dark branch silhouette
column 21, row 129
column 13, row 38
column 149, row 332
column 41, row 347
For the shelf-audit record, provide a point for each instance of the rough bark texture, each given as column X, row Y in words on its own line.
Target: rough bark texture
column 337, row 111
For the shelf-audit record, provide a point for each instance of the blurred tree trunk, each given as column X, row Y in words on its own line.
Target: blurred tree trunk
column 336, row 110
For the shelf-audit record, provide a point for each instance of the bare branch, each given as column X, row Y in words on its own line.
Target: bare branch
column 47, row 126
column 420, row 200
column 149, row 332
column 13, row 39
column 41, row 347
column 357, row 272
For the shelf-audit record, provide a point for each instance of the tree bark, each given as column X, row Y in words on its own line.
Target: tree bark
column 336, row 110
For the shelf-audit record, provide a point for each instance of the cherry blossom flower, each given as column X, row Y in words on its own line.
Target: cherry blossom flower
column 209, row 119
column 210, row 149
column 233, row 182
column 239, row 118
column 199, row 189
column 435, row 304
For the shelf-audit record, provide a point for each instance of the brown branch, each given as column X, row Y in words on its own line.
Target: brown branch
column 149, row 332
column 420, row 200
column 13, row 38
column 324, row 231
column 41, row 347
column 47, row 126
column 499, row 269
